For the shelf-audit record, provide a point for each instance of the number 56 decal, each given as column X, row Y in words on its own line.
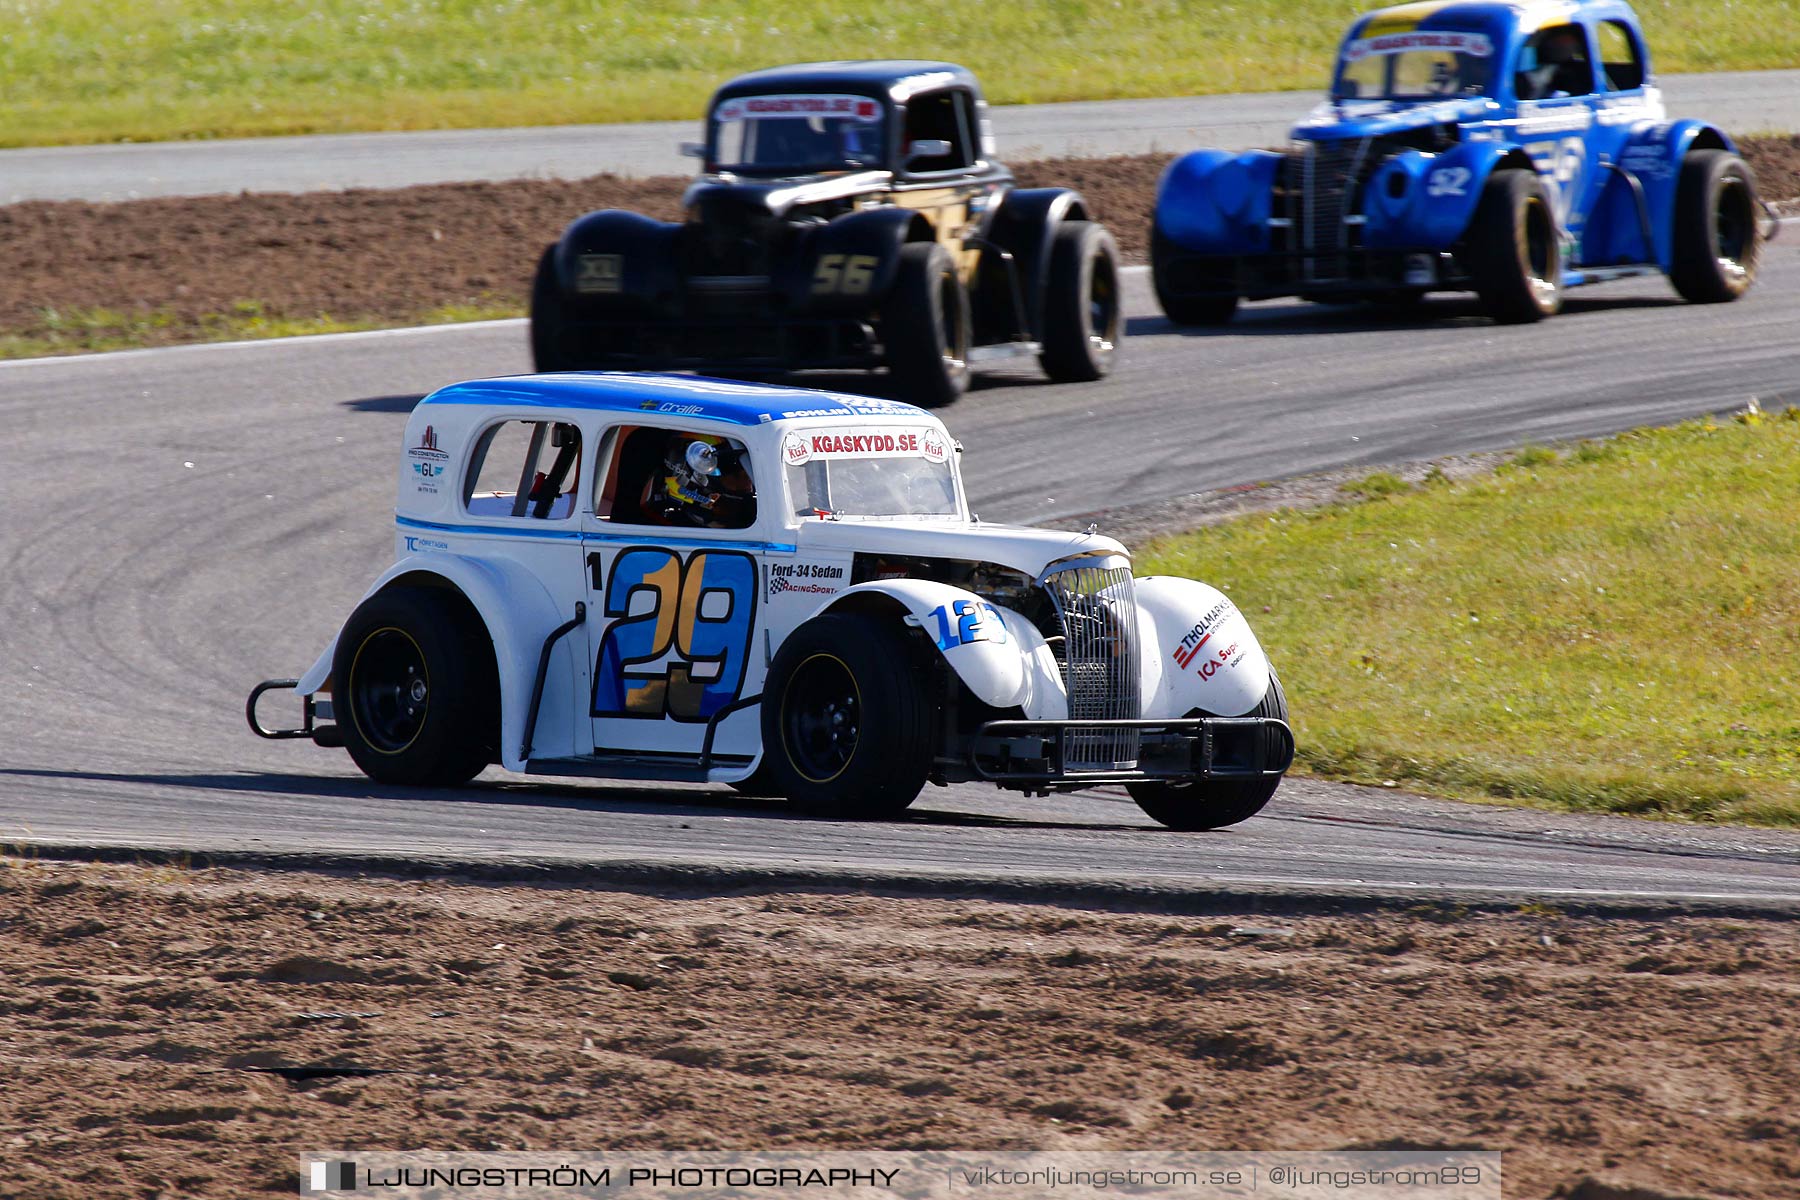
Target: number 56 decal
column 704, row 611
column 846, row 274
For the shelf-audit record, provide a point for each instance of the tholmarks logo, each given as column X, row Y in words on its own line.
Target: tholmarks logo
column 1187, row 655
column 428, row 461
column 331, row 1177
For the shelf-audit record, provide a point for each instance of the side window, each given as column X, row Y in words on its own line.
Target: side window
column 941, row 117
column 657, row 476
column 1554, row 63
column 524, row 469
column 1621, row 59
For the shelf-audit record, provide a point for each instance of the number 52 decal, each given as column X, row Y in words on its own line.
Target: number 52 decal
column 1448, row 181
column 704, row 611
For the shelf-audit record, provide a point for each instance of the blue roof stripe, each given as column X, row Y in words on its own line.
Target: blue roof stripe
column 668, row 395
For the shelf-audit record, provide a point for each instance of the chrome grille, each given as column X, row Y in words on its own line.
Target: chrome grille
column 1330, row 176
column 1097, row 607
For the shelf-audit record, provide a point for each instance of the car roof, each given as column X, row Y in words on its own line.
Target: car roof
column 1529, row 14
column 897, row 79
column 685, row 395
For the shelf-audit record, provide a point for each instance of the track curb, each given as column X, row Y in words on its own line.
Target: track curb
column 1197, row 898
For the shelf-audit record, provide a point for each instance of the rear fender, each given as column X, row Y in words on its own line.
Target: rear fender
column 519, row 613
column 850, row 264
column 620, row 259
column 1197, row 651
column 999, row 656
column 1025, row 227
column 1653, row 155
column 1212, row 202
column 1419, row 201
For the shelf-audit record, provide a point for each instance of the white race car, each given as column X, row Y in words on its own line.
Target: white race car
column 655, row 577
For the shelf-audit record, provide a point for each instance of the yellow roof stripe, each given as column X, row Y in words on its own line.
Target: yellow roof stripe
column 1404, row 19
column 1543, row 16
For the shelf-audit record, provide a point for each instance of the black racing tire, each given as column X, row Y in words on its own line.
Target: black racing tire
column 1717, row 239
column 1514, row 252
column 926, row 327
column 1183, row 309
column 1084, row 317
column 414, row 688
column 846, row 722
column 549, row 317
column 1213, row 803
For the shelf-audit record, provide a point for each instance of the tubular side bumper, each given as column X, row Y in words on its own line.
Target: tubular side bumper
column 1033, row 753
column 311, row 708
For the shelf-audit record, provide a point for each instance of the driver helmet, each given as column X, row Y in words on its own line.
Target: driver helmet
column 861, row 141
column 690, row 467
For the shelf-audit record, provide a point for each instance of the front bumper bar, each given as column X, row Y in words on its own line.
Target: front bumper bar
column 1032, row 753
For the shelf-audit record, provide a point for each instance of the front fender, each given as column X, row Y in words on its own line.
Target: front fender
column 617, row 258
column 1197, row 651
column 1212, row 202
column 999, row 655
column 1420, row 201
column 519, row 613
column 873, row 236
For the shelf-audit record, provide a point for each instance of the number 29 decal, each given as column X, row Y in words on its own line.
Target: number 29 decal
column 704, row 611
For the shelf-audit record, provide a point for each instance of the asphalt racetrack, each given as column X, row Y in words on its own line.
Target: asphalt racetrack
column 185, row 522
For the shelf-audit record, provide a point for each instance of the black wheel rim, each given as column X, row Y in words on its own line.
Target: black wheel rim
column 1734, row 226
column 390, row 690
column 821, row 718
column 956, row 354
column 1540, row 252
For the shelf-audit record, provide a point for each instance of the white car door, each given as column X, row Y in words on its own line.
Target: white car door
column 674, row 614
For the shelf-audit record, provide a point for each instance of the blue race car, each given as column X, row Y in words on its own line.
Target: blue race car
column 1513, row 150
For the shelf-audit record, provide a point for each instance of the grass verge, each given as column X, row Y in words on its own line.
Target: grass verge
column 96, row 330
column 76, row 72
column 1609, row 628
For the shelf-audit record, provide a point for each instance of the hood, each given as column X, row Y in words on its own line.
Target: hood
column 777, row 196
column 1380, row 118
column 1014, row 546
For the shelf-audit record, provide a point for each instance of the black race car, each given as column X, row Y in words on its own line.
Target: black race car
column 849, row 215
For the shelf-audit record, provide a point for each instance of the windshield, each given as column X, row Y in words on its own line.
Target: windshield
column 797, row 135
column 870, row 472
column 1415, row 66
